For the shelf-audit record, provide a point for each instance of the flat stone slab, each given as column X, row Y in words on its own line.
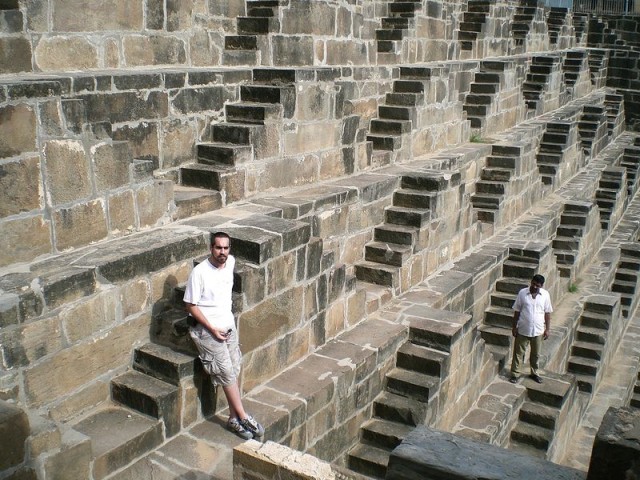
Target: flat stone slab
column 427, row 454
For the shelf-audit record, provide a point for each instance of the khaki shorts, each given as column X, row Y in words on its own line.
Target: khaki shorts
column 221, row 360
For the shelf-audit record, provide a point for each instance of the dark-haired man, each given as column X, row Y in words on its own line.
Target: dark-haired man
column 208, row 300
column 531, row 322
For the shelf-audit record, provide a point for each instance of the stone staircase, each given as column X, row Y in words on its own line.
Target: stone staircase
column 412, row 389
column 576, row 221
column 422, row 196
column 635, row 398
column 525, row 13
column 245, row 135
column 631, row 162
column 610, row 195
column 592, row 128
column 398, row 116
column 539, row 81
column 598, row 65
column 626, row 278
column 594, row 342
column 558, row 137
column 574, row 63
column 473, row 22
column 556, row 19
column 543, row 417
column 486, row 85
column 398, row 24
column 261, row 19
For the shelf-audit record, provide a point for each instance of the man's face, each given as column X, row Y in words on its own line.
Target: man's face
column 220, row 251
column 535, row 287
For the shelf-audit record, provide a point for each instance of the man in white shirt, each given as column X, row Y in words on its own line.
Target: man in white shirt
column 208, row 299
column 531, row 322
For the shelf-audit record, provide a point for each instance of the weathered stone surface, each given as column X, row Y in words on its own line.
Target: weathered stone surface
column 122, row 216
column 295, row 20
column 80, row 224
column 143, row 139
column 23, row 239
column 292, row 50
column 191, row 100
column 293, row 233
column 62, row 157
column 111, row 165
column 15, row 55
column 427, row 453
column 17, row 130
column 153, row 202
column 178, row 143
column 20, row 186
column 72, row 460
column 14, row 430
column 125, row 106
column 88, row 317
column 65, row 53
column 149, row 50
column 254, row 244
column 26, row 344
column 106, row 16
column 616, row 448
column 272, row 318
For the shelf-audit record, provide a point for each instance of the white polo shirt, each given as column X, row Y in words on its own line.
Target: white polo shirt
column 532, row 310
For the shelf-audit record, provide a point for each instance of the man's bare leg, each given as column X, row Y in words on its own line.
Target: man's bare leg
column 232, row 392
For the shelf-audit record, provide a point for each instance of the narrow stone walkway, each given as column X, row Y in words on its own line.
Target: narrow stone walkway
column 614, row 391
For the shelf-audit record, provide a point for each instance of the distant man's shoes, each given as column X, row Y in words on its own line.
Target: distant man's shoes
column 535, row 378
column 513, row 379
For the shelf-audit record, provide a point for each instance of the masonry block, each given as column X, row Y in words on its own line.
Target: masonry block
column 121, row 16
column 17, row 129
column 153, row 202
column 89, row 317
column 65, row 53
column 14, row 430
column 62, row 157
column 292, row 50
column 143, row 139
column 15, row 55
column 125, row 106
column 254, row 245
column 344, row 52
column 80, row 224
column 23, row 239
column 191, row 100
column 122, row 213
column 20, row 186
column 71, row 460
column 111, row 165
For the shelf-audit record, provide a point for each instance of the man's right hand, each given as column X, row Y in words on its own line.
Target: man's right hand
column 514, row 331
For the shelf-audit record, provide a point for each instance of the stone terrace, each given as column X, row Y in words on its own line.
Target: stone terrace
column 391, row 173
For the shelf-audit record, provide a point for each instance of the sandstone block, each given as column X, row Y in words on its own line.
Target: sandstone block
column 61, row 158
column 311, row 137
column 143, row 139
column 281, row 272
column 25, row 344
column 287, row 171
column 191, row 100
column 125, row 106
column 65, row 53
column 15, row 55
column 105, row 16
column 24, row 239
column 155, row 14
column 251, row 282
column 88, row 317
column 20, row 189
column 153, row 202
column 53, row 378
column 80, row 224
column 72, row 460
column 272, row 318
column 292, row 50
column 345, row 52
column 205, row 47
column 309, row 18
column 315, row 102
column 111, row 54
column 81, row 400
column 153, row 50
column 122, row 215
column 14, row 430
column 180, row 14
column 178, row 143
column 50, row 120
column 17, row 129
column 111, row 165
column 37, row 15
column 228, row 8
column 45, row 435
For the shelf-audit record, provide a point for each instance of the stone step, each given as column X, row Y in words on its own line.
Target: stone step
column 564, row 243
column 487, row 200
column 257, row 25
column 565, row 257
column 484, row 186
column 516, row 269
column 398, row 22
column 404, row 99
column 395, row 234
column 240, row 57
column 494, row 174
column 595, row 320
column 387, row 253
column 585, row 366
column 385, row 142
column 499, row 317
column 410, row 217
column 409, row 86
column 511, row 285
column 164, row 363
column 533, row 435
column 495, row 161
column 430, row 181
column 191, row 201
column 150, row 396
column 438, row 329
column 205, row 176
column 261, row 11
column 626, row 275
column 622, row 286
column 369, row 460
column 502, row 299
column 500, row 336
column 478, row 99
column 397, row 408
column 390, row 34
column 404, row 7
column 554, row 390
column 421, row 359
column 587, row 350
column 219, row 153
column 378, row 274
column 284, row 95
column 476, row 110
column 384, row 434
column 390, row 127
column 486, row 215
column 409, row 198
column 252, row 112
column 591, row 335
column 540, row 415
column 241, row 42
column 412, row 384
column 118, row 436
column 392, row 112
column 485, row 88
